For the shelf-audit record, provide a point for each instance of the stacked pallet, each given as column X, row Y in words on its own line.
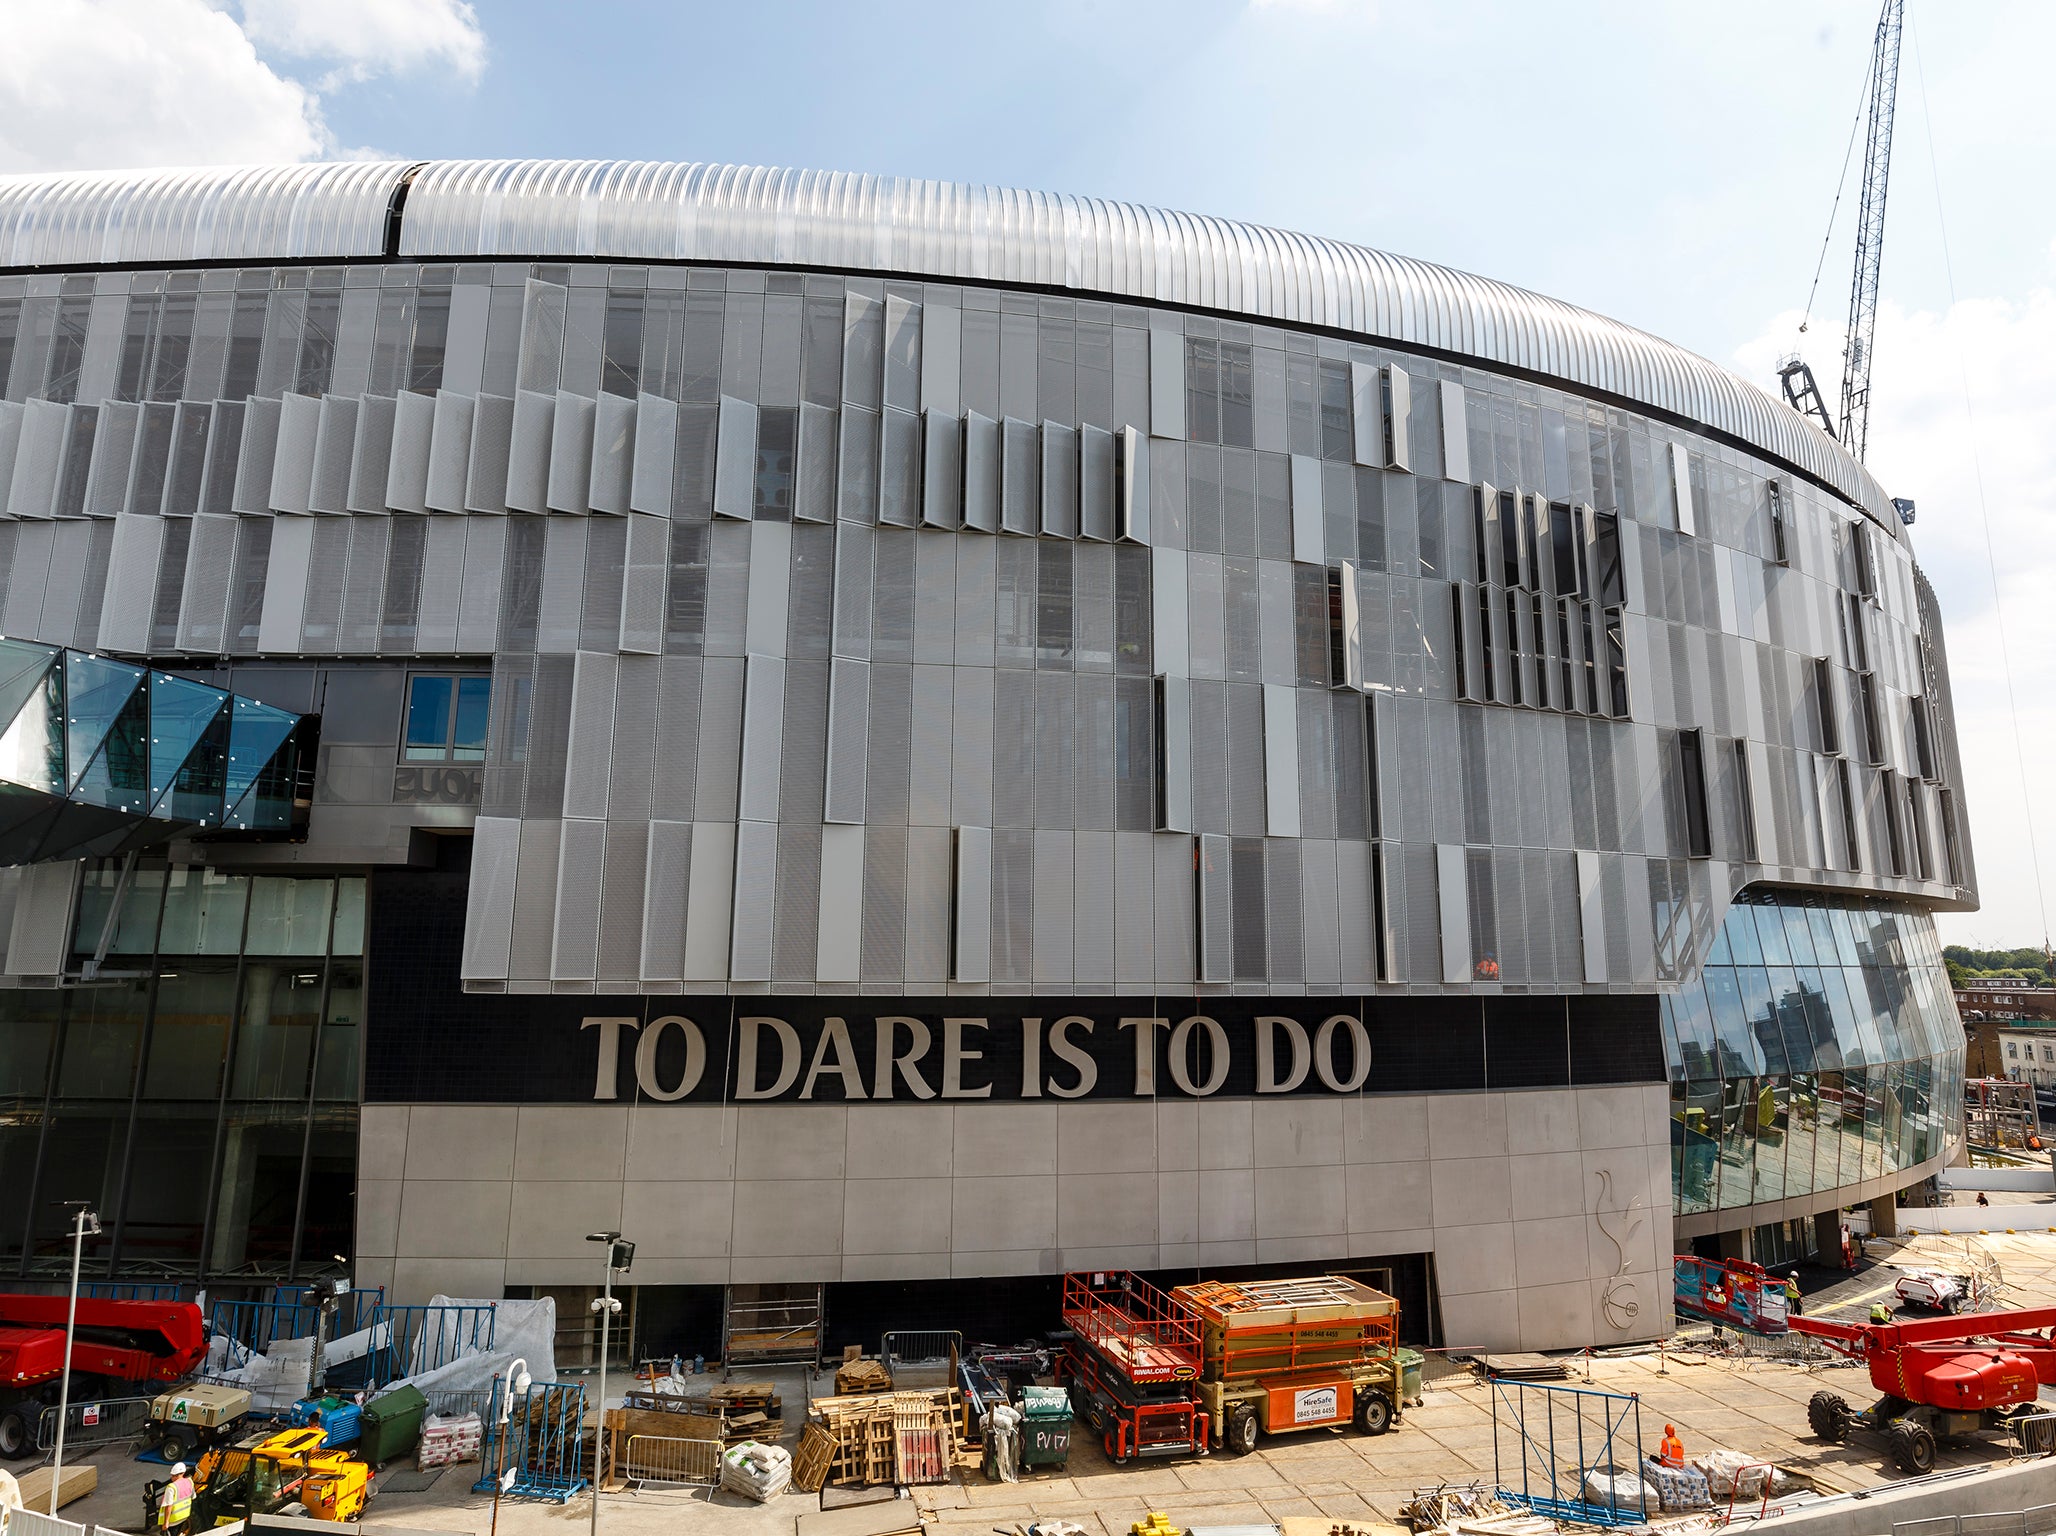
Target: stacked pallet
column 882, row 1437
column 732, row 1413
column 854, row 1378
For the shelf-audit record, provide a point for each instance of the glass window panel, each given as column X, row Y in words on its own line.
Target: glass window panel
column 349, row 928
column 1698, row 1181
column 189, row 1031
column 1827, row 1132
column 103, row 1031
column 1875, row 1094
column 1759, row 1008
column 1742, row 940
column 1845, row 936
column 1738, row 1142
column 1820, row 1020
column 167, row 1204
column 1825, row 950
column 1784, row 991
column 1768, row 1128
column 428, row 718
column 1719, row 952
column 21, row 1132
column 288, row 916
column 1770, row 929
column 474, row 704
column 203, row 912
column 336, row 1075
column 327, row 1228
column 1740, row 1054
column 1798, row 936
column 1802, row 1122
column 82, row 1157
column 258, row 1191
column 28, row 1030
column 275, row 1031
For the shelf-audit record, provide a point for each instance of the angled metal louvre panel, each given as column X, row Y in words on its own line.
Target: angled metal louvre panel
column 114, row 449
column 371, row 455
column 131, row 584
column 327, row 569
column 489, row 899
column 763, row 727
column 574, row 955
column 535, row 900
column 667, row 866
column 45, row 431
column 292, row 465
column 1096, row 485
column 571, row 454
column 813, row 498
column 253, row 463
column 622, row 884
column 202, row 610
column 285, row 587
column 478, row 612
column 856, row 465
column 449, row 453
column 406, row 488
column 756, row 858
column 983, row 459
column 186, row 473
column 1131, row 469
column 542, row 335
column 11, row 417
column 58, row 615
column 363, row 608
column 335, row 442
column 942, row 470
column 735, row 460
column 528, row 457
column 1059, row 472
column 644, row 578
column 1020, row 477
column 849, row 722
column 653, row 463
column 442, row 587
column 492, row 440
column 900, row 470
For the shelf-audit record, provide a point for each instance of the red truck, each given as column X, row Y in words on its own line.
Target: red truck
column 119, row 1342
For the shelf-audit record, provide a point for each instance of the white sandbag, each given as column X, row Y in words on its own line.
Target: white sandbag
column 756, row 1471
column 1615, row 1489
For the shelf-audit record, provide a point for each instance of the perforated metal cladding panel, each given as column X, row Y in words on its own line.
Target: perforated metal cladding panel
column 406, row 488
column 292, row 465
column 841, row 899
column 614, row 454
column 285, row 586
column 756, row 863
column 942, row 470
column 1060, row 474
column 1013, row 908
column 796, row 907
column 899, row 469
column 1020, row 475
column 371, row 454
column 589, row 745
column 849, row 701
column 984, row 457
column 210, row 559
column 971, row 942
column 814, row 474
column 1055, row 899
column 131, row 579
column 667, row 866
column 571, row 454
column 645, row 575
column 528, row 454
column 1283, row 912
column 1213, row 878
column 114, row 449
column 39, row 456
column 581, row 862
column 653, row 465
column 362, row 614
column 58, row 619
column 535, row 901
column 447, row 488
column 489, row 898
column 335, row 442
column 735, row 459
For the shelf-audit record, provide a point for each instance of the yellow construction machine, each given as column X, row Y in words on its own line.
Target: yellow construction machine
column 289, row 1472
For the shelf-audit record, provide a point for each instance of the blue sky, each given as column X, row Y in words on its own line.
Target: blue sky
column 1671, row 165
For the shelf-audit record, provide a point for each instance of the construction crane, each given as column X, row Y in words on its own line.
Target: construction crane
column 1881, row 93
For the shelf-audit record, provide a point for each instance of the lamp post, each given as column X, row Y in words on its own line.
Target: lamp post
column 619, row 1256
column 84, row 1222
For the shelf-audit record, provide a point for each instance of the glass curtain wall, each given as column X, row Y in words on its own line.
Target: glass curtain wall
column 202, row 1093
column 1818, row 1048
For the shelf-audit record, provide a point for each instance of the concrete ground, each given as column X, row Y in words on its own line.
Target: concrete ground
column 1753, row 1404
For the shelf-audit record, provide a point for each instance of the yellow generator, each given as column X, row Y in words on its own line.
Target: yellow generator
column 269, row 1474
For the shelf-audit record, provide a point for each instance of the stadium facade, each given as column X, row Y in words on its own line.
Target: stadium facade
column 889, row 734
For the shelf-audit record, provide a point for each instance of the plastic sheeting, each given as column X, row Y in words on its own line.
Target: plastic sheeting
column 522, row 1330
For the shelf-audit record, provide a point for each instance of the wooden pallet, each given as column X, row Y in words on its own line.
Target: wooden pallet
column 811, row 1462
column 888, row 1437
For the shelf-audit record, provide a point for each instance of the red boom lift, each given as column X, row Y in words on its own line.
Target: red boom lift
column 1133, row 1365
column 1941, row 1377
column 118, row 1341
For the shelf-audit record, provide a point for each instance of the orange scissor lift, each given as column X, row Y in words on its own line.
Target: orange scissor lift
column 1302, row 1353
column 1133, row 1365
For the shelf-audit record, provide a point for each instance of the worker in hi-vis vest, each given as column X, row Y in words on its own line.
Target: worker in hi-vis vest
column 1672, row 1452
column 175, row 1501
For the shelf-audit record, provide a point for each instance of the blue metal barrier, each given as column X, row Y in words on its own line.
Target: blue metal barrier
column 257, row 1325
column 541, row 1443
column 1561, row 1437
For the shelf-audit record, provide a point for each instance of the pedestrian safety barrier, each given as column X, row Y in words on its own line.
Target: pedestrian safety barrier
column 255, row 1325
column 110, row 1421
column 2033, row 1434
column 1557, row 1450
column 30, row 1522
column 664, row 1460
column 408, row 1340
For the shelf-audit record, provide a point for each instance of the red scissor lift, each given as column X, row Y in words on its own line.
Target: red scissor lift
column 1133, row 1365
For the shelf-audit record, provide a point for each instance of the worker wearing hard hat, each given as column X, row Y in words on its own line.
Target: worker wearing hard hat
column 175, row 1501
column 1672, row 1451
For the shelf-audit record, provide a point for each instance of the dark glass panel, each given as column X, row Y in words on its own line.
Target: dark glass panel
column 190, row 1029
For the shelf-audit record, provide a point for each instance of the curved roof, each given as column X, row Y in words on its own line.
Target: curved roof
column 657, row 211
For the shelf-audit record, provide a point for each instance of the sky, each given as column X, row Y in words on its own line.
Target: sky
column 1672, row 165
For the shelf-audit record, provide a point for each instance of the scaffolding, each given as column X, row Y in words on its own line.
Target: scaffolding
column 2000, row 1114
column 1565, row 1452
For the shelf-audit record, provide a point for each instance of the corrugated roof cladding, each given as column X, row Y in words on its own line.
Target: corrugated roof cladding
column 652, row 211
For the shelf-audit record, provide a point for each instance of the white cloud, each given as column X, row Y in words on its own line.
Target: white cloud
column 1924, row 445
column 91, row 83
column 369, row 37
column 118, row 83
